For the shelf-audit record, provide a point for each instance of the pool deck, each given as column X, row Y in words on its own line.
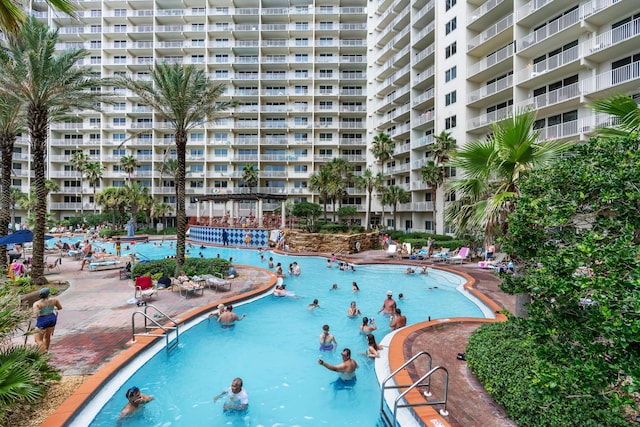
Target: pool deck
column 94, row 332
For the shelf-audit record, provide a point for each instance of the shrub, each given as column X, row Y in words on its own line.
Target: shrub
column 504, row 359
column 333, row 228
column 192, row 266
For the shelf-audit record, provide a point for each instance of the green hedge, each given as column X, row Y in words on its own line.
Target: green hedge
column 505, row 361
column 192, row 266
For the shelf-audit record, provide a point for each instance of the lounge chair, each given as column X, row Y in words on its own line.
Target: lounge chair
column 460, row 257
column 104, row 265
column 406, row 250
column 187, row 289
column 218, row 283
column 392, row 250
column 495, row 261
column 441, row 256
column 145, row 288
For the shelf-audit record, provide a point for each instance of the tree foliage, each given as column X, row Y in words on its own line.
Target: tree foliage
column 309, row 211
column 575, row 231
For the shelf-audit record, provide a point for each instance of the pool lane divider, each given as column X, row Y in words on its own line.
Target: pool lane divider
column 88, row 389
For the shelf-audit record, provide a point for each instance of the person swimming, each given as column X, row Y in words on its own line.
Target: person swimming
column 327, row 340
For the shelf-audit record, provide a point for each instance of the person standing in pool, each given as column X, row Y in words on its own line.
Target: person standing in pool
column 228, row 317
column 237, row 397
column 389, row 305
column 46, row 318
column 136, row 401
column 346, row 369
column 327, row 340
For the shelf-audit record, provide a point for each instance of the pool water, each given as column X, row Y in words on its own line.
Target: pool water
column 276, row 349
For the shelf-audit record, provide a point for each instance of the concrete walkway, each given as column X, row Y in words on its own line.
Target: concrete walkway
column 95, row 326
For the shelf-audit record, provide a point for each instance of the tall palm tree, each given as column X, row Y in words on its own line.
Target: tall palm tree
column 130, row 165
column 12, row 16
column 11, row 124
column 492, row 170
column 185, row 97
column 433, row 176
column 14, row 198
column 625, row 112
column 395, row 195
column 93, row 171
column 382, row 147
column 369, row 182
column 321, row 182
column 79, row 161
column 51, row 86
column 250, row 175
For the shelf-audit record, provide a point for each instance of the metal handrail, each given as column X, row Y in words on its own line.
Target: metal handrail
column 443, row 402
column 156, row 325
column 403, row 366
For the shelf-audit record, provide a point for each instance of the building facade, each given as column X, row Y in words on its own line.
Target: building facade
column 317, row 81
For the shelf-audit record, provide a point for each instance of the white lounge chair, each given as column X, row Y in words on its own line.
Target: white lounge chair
column 492, row 263
column 392, row 250
column 441, row 256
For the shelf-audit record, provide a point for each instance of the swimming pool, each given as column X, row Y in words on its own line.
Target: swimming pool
column 275, row 350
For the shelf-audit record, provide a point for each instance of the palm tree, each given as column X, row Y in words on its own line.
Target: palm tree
column 433, row 176
column 493, row 168
column 250, row 175
column 343, row 172
column 130, row 165
column 321, row 182
column 12, row 16
column 382, row 148
column 185, row 97
column 11, row 124
column 625, row 112
column 15, row 197
column 79, row 161
column 113, row 199
column 369, row 182
column 51, row 86
column 395, row 195
column 93, row 171
column 137, row 197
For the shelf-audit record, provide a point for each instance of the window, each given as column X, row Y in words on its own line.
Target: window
column 302, row 41
column 120, row 28
column 325, row 136
column 450, row 98
column 301, row 121
column 451, row 49
column 16, row 182
column 301, row 90
column 197, row 59
column 96, row 44
column 450, row 26
column 450, row 74
column 326, row 25
column 196, row 168
column 302, row 25
column 302, row 57
column 220, row 168
column 197, row 27
column 300, row 168
column 120, row 43
column 220, row 184
column 448, row 4
column 222, row 74
column 197, row 43
column 326, row 41
column 196, row 184
column 119, row 121
column 450, row 122
column 299, row 184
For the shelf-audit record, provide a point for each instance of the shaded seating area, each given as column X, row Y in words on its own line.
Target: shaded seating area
column 145, row 288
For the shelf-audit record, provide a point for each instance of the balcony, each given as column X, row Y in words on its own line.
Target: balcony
column 489, row 65
column 490, row 89
column 498, row 33
column 559, row 131
column 560, row 25
column 551, row 63
column 615, row 42
column 485, row 120
column 623, row 79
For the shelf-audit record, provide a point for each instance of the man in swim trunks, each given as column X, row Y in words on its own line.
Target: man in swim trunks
column 347, row 369
column 228, row 317
column 44, row 311
column 389, row 305
column 327, row 340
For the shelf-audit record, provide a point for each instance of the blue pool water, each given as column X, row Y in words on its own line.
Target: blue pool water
column 276, row 349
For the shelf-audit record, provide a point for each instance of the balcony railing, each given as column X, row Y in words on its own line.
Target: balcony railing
column 553, row 27
column 491, row 32
column 551, row 63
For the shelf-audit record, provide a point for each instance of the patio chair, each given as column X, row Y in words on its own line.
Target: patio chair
column 145, row 289
column 392, row 250
column 495, row 261
column 460, row 257
column 218, row 283
column 52, row 267
column 441, row 256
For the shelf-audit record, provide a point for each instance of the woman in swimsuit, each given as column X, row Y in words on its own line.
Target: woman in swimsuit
column 372, row 350
column 327, row 341
column 368, row 325
column 44, row 311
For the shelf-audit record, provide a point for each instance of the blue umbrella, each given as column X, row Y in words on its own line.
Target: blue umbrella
column 20, row 236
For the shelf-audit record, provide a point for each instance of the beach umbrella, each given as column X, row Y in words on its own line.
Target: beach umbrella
column 20, row 236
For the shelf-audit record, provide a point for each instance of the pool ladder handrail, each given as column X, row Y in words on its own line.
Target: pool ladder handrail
column 419, row 383
column 151, row 323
